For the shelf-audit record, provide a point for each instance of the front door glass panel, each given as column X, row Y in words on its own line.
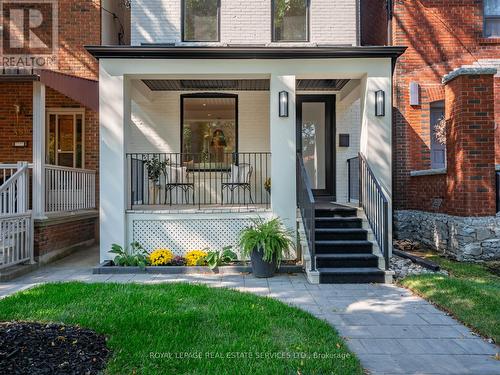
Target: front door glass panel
column 313, row 142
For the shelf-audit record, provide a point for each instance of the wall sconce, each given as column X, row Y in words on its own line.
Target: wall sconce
column 379, row 103
column 283, row 104
column 414, row 93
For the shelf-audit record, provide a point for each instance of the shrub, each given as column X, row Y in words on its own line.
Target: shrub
column 134, row 255
column 161, row 257
column 217, row 258
column 196, row 258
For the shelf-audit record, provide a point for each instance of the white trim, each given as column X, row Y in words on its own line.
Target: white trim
column 428, row 172
column 38, row 150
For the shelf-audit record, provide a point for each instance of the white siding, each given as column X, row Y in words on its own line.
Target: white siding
column 155, row 123
column 245, row 22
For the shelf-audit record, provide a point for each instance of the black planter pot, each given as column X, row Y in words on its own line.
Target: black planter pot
column 260, row 267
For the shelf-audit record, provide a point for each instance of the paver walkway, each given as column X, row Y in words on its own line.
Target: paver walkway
column 390, row 330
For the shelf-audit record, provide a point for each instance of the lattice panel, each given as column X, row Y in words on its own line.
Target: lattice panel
column 182, row 235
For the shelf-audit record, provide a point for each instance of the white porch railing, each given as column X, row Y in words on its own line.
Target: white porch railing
column 16, row 222
column 69, row 189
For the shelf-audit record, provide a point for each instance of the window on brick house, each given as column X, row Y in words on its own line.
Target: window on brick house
column 200, row 20
column 492, row 18
column 65, row 138
column 438, row 148
column 290, row 20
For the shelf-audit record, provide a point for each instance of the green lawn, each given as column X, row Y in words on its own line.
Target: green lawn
column 232, row 332
column 471, row 293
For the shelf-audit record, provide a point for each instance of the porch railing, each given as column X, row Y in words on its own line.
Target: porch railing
column 375, row 205
column 306, row 203
column 16, row 222
column 199, row 179
column 69, row 189
column 353, row 185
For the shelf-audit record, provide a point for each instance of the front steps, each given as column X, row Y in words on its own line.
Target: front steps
column 345, row 249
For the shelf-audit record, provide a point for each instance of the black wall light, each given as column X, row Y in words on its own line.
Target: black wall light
column 379, row 103
column 283, row 104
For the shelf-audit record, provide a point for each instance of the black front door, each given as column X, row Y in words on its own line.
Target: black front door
column 315, row 141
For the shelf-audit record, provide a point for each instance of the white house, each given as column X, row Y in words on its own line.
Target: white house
column 219, row 110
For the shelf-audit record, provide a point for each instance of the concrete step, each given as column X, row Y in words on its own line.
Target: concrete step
column 354, row 275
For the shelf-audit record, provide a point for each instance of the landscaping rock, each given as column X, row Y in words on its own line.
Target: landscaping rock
column 403, row 267
column 39, row 349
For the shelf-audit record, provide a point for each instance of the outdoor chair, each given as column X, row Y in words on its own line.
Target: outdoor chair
column 238, row 179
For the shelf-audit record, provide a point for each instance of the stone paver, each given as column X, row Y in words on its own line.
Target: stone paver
column 389, row 329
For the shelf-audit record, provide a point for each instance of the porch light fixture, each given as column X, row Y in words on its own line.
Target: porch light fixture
column 283, row 104
column 379, row 103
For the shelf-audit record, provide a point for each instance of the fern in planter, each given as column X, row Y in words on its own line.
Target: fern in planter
column 266, row 241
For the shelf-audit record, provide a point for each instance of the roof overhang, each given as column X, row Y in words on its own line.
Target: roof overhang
column 183, row 52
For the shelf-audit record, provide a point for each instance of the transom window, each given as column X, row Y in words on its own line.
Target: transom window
column 290, row 20
column 492, row 18
column 209, row 127
column 200, row 20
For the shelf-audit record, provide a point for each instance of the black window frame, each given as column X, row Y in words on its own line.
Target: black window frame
column 207, row 95
column 308, row 25
column 183, row 19
column 486, row 18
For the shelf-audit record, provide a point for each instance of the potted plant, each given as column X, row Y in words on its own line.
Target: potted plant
column 266, row 242
column 155, row 168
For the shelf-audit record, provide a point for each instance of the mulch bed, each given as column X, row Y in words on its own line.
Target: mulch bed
column 38, row 348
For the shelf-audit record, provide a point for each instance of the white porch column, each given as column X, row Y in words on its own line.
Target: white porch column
column 283, row 149
column 112, row 116
column 38, row 150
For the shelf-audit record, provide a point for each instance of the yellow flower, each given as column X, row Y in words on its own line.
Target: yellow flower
column 196, row 257
column 161, row 257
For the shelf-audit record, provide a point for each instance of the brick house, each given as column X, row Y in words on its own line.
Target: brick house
column 446, row 195
column 49, row 118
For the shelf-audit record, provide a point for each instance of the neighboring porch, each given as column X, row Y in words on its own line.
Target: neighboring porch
column 48, row 176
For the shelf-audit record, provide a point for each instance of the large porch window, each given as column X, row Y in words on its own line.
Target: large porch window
column 209, row 127
column 65, row 138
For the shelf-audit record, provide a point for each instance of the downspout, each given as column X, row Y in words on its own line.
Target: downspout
column 389, row 8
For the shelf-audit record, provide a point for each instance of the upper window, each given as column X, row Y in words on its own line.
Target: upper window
column 438, row 135
column 491, row 18
column 201, row 20
column 290, row 20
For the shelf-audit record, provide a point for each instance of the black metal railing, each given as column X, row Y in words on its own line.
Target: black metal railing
column 199, row 179
column 306, row 203
column 353, row 186
column 375, row 205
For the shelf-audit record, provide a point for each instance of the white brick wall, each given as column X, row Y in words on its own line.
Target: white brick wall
column 156, row 124
column 245, row 22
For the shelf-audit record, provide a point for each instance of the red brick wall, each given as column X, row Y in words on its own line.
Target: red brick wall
column 441, row 35
column 52, row 237
column 470, row 146
column 15, row 127
column 79, row 25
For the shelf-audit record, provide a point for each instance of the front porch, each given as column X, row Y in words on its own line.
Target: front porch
column 193, row 150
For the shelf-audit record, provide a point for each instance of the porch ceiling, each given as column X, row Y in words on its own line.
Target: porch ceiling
column 239, row 84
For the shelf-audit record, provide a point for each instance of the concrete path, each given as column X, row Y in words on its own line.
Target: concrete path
column 389, row 329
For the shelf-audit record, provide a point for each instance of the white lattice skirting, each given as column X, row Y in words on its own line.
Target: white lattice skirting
column 181, row 234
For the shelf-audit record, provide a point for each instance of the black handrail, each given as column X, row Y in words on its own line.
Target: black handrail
column 375, row 205
column 306, row 204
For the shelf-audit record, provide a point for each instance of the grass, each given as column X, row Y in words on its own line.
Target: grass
column 471, row 293
column 189, row 329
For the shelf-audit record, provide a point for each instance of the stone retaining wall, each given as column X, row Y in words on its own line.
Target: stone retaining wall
column 462, row 238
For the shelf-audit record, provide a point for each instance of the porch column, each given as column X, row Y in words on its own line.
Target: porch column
column 283, row 149
column 38, row 150
column 112, row 103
